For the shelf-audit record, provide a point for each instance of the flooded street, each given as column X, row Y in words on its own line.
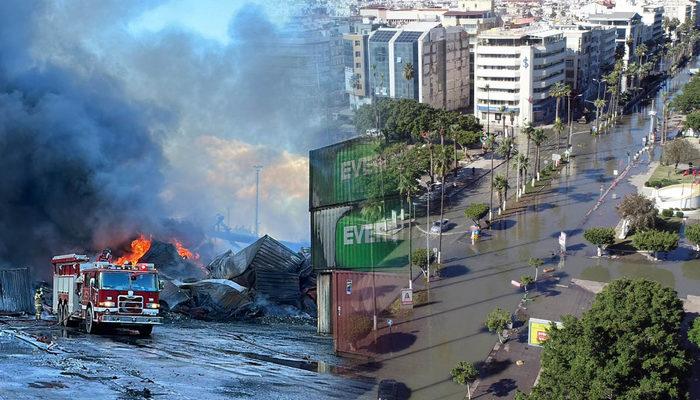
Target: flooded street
column 450, row 328
column 182, row 360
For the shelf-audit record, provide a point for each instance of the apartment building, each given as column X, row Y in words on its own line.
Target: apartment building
column 514, row 71
column 628, row 33
column 356, row 62
column 438, row 58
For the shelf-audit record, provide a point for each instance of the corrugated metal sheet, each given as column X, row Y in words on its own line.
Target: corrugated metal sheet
column 280, row 287
column 343, row 238
column 15, row 290
column 267, row 254
column 336, row 172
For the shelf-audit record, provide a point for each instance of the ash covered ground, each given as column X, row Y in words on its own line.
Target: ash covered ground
column 185, row 359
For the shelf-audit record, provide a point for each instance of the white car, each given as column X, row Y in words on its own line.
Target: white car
column 439, row 226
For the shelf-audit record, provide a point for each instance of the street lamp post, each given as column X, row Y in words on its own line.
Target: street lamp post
column 427, row 236
column 571, row 125
column 488, row 137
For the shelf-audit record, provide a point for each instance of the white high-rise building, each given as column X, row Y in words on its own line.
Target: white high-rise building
column 514, row 71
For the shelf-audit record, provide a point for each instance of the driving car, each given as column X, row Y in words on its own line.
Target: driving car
column 439, row 226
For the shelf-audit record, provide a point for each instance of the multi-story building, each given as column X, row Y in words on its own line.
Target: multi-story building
column 436, row 56
column 680, row 9
column 514, row 71
column 356, row 62
column 628, row 33
column 472, row 22
column 398, row 17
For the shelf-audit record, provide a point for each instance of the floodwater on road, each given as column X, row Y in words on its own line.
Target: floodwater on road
column 182, row 360
column 450, row 328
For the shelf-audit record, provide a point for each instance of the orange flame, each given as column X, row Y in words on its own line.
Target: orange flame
column 139, row 247
column 183, row 251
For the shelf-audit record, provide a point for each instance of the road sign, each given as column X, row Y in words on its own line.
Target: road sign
column 348, row 287
column 556, row 157
column 407, row 297
column 515, row 283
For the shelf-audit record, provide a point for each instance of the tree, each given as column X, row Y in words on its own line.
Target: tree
column 692, row 233
column 497, row 320
column 600, row 237
column 408, row 72
column 526, row 280
column 535, row 263
column 692, row 121
column 521, row 166
column 528, row 130
column 689, row 98
column 476, row 211
column 679, row 150
column 501, row 185
column 506, row 148
column 639, row 210
column 627, row 346
column 558, row 91
column 558, row 128
column 655, row 241
column 420, row 258
column 464, row 374
column 599, row 105
column 694, row 332
column 538, row 138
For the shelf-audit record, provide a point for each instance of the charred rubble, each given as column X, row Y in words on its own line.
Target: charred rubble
column 264, row 279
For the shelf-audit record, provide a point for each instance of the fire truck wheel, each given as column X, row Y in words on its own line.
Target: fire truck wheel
column 90, row 325
column 145, row 330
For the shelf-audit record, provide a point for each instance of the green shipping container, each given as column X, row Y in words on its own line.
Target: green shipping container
column 343, row 238
column 337, row 172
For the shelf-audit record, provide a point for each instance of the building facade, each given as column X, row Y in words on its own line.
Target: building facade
column 628, row 34
column 514, row 71
column 421, row 61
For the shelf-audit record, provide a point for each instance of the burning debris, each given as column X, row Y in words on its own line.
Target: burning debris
column 265, row 278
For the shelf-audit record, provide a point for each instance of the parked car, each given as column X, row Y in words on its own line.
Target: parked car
column 439, row 226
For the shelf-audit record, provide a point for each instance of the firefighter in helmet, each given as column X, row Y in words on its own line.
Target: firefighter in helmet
column 38, row 300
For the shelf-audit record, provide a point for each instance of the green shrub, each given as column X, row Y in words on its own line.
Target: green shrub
column 659, row 183
column 679, row 214
column 667, row 213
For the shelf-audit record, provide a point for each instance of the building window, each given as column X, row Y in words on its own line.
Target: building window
column 358, row 54
column 357, row 42
column 358, row 65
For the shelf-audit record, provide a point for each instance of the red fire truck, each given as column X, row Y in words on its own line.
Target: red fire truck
column 102, row 294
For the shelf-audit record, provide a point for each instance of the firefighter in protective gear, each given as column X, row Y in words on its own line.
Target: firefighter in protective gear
column 38, row 299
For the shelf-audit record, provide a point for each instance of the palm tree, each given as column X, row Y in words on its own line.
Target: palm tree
column 521, row 164
column 408, row 173
column 558, row 91
column 408, row 72
column 558, row 128
column 502, row 110
column 640, row 52
column 599, row 105
column 538, row 138
column 528, row 130
column 507, row 149
column 500, row 183
column 511, row 114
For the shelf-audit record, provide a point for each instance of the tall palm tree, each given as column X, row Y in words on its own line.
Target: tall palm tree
column 511, row 113
column 407, row 175
column 599, row 105
column 538, row 138
column 528, row 130
column 506, row 148
column 520, row 165
column 558, row 128
column 558, row 91
column 500, row 183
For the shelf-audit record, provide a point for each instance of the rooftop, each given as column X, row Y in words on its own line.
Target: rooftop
column 615, row 15
column 501, row 33
column 466, row 13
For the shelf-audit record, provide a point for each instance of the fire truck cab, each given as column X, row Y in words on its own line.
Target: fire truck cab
column 102, row 294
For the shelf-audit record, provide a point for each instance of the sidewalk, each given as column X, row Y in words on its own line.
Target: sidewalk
column 501, row 375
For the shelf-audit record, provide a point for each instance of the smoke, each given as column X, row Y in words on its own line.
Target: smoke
column 106, row 132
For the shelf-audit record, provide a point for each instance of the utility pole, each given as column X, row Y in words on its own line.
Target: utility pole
column 257, row 168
